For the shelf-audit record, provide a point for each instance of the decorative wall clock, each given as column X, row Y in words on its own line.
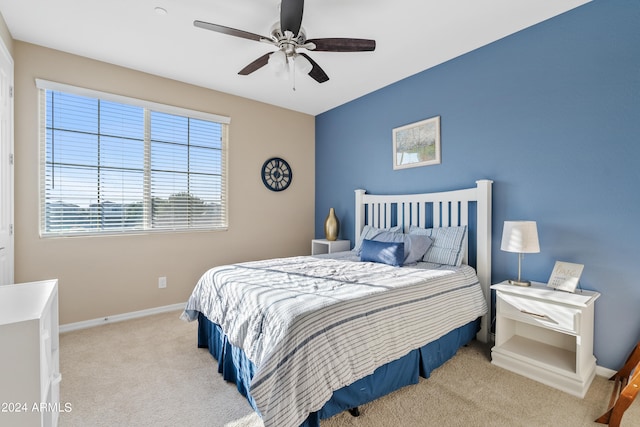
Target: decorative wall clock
column 276, row 174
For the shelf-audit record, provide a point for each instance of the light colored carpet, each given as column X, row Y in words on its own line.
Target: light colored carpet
column 149, row 372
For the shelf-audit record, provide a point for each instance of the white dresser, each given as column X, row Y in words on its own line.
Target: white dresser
column 29, row 355
column 546, row 335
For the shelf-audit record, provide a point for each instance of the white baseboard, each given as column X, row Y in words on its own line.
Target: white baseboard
column 119, row 317
column 604, row 372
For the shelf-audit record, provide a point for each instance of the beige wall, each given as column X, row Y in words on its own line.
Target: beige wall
column 101, row 276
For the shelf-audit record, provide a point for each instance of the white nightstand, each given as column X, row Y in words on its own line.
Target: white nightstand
column 30, row 356
column 324, row 246
column 546, row 335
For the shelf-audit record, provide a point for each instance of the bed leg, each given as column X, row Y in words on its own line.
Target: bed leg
column 355, row 412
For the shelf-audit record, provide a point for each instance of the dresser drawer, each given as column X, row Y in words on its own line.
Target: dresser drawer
column 539, row 313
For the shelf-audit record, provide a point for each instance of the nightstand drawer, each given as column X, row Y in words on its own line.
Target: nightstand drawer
column 540, row 313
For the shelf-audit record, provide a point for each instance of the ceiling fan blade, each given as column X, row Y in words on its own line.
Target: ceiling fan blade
column 316, row 72
column 227, row 30
column 343, row 45
column 291, row 15
column 255, row 65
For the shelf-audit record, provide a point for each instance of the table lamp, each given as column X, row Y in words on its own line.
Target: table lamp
column 520, row 237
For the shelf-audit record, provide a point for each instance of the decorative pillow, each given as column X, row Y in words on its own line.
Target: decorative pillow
column 369, row 232
column 415, row 246
column 448, row 244
column 390, row 253
column 418, row 247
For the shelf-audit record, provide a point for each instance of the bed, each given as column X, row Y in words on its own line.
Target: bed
column 307, row 337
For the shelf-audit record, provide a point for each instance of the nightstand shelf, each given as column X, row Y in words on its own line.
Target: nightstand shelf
column 546, row 335
column 546, row 355
column 324, row 246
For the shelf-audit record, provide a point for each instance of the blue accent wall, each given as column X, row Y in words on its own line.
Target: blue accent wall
column 551, row 114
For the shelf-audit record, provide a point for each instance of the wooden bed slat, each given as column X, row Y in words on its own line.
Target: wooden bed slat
column 455, row 211
column 422, row 215
column 436, row 215
column 446, row 218
column 373, row 212
column 406, row 207
column 464, row 214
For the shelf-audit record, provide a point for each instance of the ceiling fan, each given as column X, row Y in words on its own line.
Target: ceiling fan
column 289, row 36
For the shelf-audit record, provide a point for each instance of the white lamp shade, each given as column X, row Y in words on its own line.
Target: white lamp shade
column 520, row 237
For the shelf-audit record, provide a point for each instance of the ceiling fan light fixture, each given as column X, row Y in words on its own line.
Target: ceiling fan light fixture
column 288, row 36
column 302, row 64
column 277, row 60
column 283, row 74
column 278, row 64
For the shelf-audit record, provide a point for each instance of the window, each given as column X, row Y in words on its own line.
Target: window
column 111, row 164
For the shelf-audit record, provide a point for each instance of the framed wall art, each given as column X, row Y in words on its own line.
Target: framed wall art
column 417, row 144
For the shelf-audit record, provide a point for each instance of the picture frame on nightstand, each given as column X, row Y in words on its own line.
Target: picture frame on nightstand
column 565, row 276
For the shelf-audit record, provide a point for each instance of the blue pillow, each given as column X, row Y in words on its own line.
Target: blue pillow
column 415, row 246
column 390, row 253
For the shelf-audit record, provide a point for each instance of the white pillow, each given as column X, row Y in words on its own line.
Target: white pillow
column 449, row 244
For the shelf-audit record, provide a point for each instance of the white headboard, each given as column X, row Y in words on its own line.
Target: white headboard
column 443, row 209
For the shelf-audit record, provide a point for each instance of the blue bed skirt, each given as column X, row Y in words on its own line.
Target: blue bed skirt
column 237, row 368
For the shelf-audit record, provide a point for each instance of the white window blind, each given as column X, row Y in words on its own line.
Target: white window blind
column 111, row 164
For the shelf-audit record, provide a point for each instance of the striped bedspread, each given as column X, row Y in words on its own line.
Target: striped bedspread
column 312, row 325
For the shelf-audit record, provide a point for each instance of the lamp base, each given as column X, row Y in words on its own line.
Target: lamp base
column 519, row 282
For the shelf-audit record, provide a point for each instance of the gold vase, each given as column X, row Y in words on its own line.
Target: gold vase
column 331, row 226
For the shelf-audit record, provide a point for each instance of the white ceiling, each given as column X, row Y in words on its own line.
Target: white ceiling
column 411, row 36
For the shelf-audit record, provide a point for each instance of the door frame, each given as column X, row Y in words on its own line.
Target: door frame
column 7, row 254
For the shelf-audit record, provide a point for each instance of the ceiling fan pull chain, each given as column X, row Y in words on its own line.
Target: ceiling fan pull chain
column 293, row 70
